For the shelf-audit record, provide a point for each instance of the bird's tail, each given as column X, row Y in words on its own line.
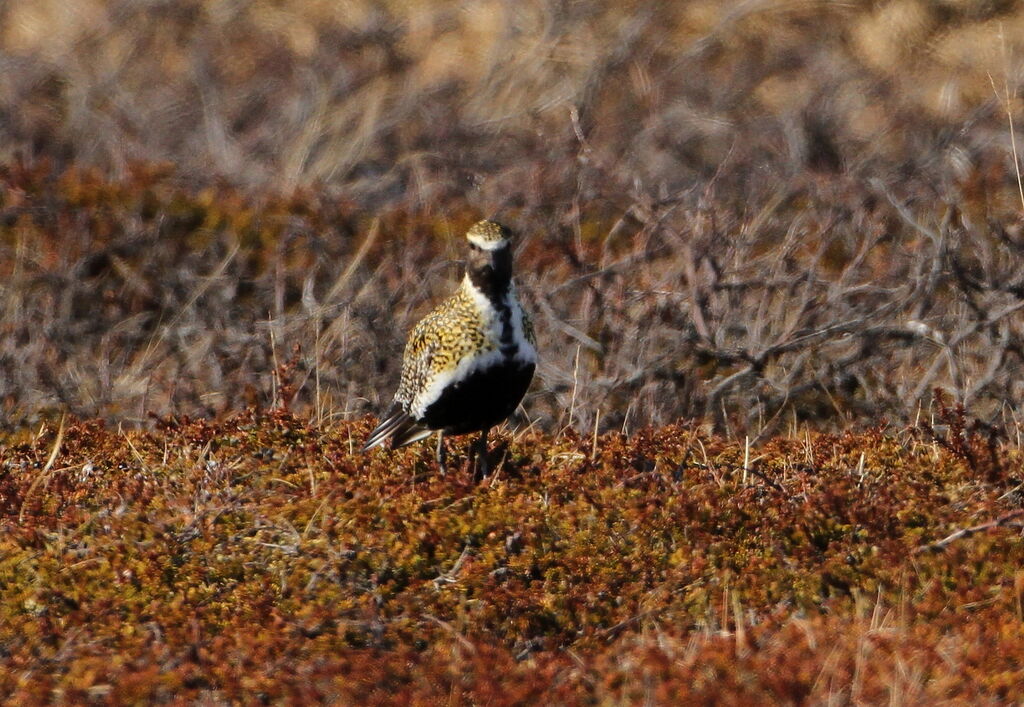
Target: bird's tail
column 400, row 428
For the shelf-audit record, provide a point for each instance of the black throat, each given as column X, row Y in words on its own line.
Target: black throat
column 491, row 273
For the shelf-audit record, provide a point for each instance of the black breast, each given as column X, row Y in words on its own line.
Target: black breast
column 507, row 340
column 481, row 400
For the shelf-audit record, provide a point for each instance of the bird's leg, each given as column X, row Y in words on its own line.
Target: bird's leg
column 482, row 467
column 441, row 456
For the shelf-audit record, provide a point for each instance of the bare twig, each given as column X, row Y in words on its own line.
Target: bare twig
column 450, row 576
column 44, row 474
column 1013, row 518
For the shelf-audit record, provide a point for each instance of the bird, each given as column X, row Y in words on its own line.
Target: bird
column 468, row 363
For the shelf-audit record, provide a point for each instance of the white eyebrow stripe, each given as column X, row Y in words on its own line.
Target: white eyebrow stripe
column 486, row 244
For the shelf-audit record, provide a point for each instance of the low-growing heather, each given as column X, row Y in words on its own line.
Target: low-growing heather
column 262, row 558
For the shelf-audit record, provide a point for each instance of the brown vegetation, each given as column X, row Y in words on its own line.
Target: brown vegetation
column 748, row 213
column 262, row 559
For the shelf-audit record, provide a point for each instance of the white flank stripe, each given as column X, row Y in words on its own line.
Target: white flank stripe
column 467, row 366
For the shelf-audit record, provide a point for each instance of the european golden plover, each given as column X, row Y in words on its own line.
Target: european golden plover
column 468, row 363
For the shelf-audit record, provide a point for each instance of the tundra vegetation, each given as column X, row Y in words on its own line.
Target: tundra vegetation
column 773, row 449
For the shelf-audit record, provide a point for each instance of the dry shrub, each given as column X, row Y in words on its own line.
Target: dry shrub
column 756, row 214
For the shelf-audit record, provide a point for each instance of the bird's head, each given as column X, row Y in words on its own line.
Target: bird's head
column 490, row 257
column 488, row 236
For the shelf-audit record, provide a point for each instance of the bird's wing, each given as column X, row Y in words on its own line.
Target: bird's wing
column 398, row 424
column 399, row 427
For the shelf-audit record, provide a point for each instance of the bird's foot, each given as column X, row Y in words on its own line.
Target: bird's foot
column 481, row 466
column 441, row 456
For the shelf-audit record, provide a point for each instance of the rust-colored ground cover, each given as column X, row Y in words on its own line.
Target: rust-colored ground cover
column 260, row 558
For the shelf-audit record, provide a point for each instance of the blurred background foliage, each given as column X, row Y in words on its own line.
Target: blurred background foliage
column 756, row 213
column 402, row 101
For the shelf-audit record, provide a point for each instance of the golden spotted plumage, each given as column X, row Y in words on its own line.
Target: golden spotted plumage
column 487, row 234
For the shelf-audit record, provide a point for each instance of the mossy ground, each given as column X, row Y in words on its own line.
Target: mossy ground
column 261, row 558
